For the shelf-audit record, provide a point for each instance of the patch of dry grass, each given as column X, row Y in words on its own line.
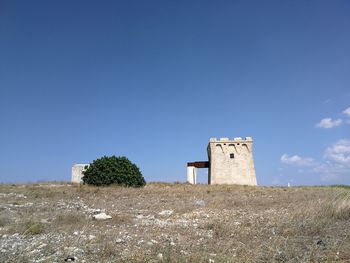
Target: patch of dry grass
column 4, row 220
column 27, row 227
column 69, row 220
column 107, row 251
column 221, row 223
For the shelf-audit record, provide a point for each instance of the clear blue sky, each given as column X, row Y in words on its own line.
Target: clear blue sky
column 154, row 80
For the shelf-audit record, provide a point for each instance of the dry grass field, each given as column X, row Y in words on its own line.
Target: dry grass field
column 174, row 223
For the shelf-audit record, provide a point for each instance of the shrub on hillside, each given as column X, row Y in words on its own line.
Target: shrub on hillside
column 113, row 170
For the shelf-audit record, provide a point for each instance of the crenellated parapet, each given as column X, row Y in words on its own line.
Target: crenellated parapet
column 236, row 139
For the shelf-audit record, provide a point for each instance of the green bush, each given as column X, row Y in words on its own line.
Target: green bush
column 113, row 170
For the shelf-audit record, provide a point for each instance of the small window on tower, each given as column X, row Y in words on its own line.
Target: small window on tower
column 232, row 155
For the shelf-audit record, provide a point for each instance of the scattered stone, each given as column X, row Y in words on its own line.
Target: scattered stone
column 146, row 233
column 69, row 259
column 44, row 221
column 42, row 246
column 101, row 216
column 199, row 203
column 160, row 256
column 95, row 211
column 321, row 244
column 166, row 213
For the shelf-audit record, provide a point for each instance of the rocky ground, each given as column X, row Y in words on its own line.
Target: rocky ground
column 174, row 223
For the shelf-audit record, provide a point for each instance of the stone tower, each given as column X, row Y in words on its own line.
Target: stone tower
column 77, row 173
column 231, row 161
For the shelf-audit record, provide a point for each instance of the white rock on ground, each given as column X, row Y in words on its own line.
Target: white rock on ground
column 101, row 216
column 166, row 213
column 199, row 202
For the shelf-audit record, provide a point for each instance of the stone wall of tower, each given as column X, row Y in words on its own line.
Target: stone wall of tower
column 231, row 161
column 77, row 173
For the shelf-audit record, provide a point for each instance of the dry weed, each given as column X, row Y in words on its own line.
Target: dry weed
column 27, row 227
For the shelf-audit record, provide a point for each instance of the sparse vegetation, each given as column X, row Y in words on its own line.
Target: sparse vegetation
column 113, row 170
column 66, row 220
column 28, row 227
column 4, row 220
column 175, row 223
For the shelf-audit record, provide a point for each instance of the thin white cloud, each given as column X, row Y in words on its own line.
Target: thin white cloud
column 334, row 167
column 336, row 161
column 347, row 112
column 328, row 123
column 330, row 171
column 339, row 152
column 297, row 160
